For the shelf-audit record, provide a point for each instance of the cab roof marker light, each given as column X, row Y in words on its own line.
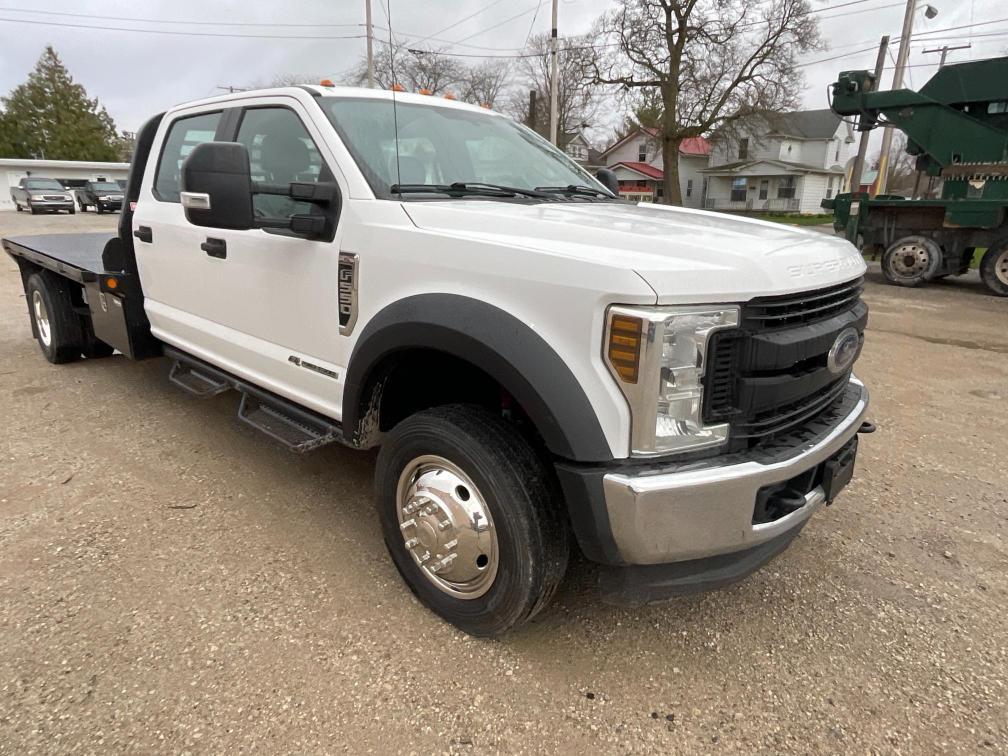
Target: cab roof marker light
column 449, row 96
column 397, row 88
column 326, row 83
column 424, row 91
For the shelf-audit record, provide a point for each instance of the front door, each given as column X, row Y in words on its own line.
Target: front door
column 260, row 303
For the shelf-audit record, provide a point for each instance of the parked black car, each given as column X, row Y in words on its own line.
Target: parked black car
column 101, row 195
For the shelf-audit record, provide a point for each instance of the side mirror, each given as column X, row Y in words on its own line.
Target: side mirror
column 608, row 180
column 217, row 186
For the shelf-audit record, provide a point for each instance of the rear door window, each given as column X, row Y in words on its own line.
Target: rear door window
column 183, row 135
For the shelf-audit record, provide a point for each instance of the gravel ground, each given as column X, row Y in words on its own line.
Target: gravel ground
column 171, row 581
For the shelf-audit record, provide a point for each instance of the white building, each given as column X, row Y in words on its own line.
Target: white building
column 636, row 160
column 71, row 173
column 785, row 162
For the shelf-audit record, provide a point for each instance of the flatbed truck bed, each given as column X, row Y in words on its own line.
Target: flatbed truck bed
column 75, row 256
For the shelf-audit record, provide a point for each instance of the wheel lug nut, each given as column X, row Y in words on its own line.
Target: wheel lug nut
column 444, row 524
column 412, row 542
column 451, row 544
column 408, row 524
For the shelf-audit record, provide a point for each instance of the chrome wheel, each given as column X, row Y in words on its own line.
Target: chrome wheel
column 41, row 318
column 910, row 260
column 447, row 527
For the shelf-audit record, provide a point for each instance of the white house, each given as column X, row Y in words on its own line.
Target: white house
column 784, row 162
column 637, row 161
column 577, row 146
column 71, row 173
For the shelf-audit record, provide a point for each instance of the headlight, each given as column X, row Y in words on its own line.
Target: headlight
column 104, row 199
column 658, row 357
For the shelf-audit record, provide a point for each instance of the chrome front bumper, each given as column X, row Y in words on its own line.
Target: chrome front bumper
column 706, row 509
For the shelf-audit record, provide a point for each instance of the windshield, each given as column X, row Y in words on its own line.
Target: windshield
column 43, row 184
column 105, row 186
column 443, row 146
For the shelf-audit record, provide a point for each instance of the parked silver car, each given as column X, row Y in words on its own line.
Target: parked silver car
column 39, row 194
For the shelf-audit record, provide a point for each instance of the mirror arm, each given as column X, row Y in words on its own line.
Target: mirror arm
column 302, row 191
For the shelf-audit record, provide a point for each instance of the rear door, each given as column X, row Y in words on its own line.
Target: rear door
column 167, row 247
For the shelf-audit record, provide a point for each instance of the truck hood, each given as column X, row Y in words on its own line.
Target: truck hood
column 684, row 255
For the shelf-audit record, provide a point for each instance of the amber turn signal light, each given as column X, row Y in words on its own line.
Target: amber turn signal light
column 625, row 346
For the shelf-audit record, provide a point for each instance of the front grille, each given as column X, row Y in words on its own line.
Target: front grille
column 770, row 374
column 53, row 197
column 803, row 308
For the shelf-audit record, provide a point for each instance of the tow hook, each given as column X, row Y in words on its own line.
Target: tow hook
column 866, row 427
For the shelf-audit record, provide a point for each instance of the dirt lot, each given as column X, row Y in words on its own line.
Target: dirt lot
column 171, row 581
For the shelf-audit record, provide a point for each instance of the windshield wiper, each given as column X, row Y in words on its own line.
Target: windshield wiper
column 466, row 188
column 579, row 189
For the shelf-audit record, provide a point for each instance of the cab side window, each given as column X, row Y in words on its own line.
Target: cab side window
column 183, row 135
column 280, row 152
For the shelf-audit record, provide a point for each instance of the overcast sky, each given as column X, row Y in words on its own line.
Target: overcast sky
column 136, row 73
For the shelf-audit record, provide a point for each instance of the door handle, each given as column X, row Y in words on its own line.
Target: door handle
column 215, row 248
column 144, row 234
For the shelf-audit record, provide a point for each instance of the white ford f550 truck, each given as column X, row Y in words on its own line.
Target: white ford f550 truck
column 542, row 364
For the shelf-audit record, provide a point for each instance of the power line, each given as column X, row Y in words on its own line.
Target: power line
column 167, row 21
column 505, row 21
column 839, row 5
column 851, row 13
column 532, row 25
column 177, row 33
column 461, row 20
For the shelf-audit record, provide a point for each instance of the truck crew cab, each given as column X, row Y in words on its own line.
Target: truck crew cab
column 540, row 363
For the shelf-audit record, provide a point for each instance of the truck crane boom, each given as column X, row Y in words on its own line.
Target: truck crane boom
column 957, row 127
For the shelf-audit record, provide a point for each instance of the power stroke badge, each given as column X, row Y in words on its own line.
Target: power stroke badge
column 347, row 286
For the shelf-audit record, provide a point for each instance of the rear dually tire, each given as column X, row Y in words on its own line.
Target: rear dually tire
column 55, row 324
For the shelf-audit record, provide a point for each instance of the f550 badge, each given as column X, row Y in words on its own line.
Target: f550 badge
column 347, row 283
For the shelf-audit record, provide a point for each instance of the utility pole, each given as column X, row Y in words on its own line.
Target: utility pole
column 901, row 61
column 553, row 77
column 944, row 50
column 858, row 169
column 532, row 110
column 370, row 45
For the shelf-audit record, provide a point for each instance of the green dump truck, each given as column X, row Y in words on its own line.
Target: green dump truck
column 957, row 127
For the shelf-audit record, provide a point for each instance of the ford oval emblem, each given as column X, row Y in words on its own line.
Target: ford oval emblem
column 844, row 350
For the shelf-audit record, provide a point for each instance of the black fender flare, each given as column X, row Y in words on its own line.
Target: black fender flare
column 497, row 343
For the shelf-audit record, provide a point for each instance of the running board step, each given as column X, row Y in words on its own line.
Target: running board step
column 297, row 430
column 197, row 383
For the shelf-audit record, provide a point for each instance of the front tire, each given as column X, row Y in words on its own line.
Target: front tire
column 32, row 209
column 17, row 206
column 55, row 324
column 470, row 515
column 911, row 261
column 994, row 269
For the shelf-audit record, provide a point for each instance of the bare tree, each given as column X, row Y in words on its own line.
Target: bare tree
column 902, row 168
column 713, row 62
column 413, row 69
column 293, row 79
column 577, row 96
column 484, row 83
